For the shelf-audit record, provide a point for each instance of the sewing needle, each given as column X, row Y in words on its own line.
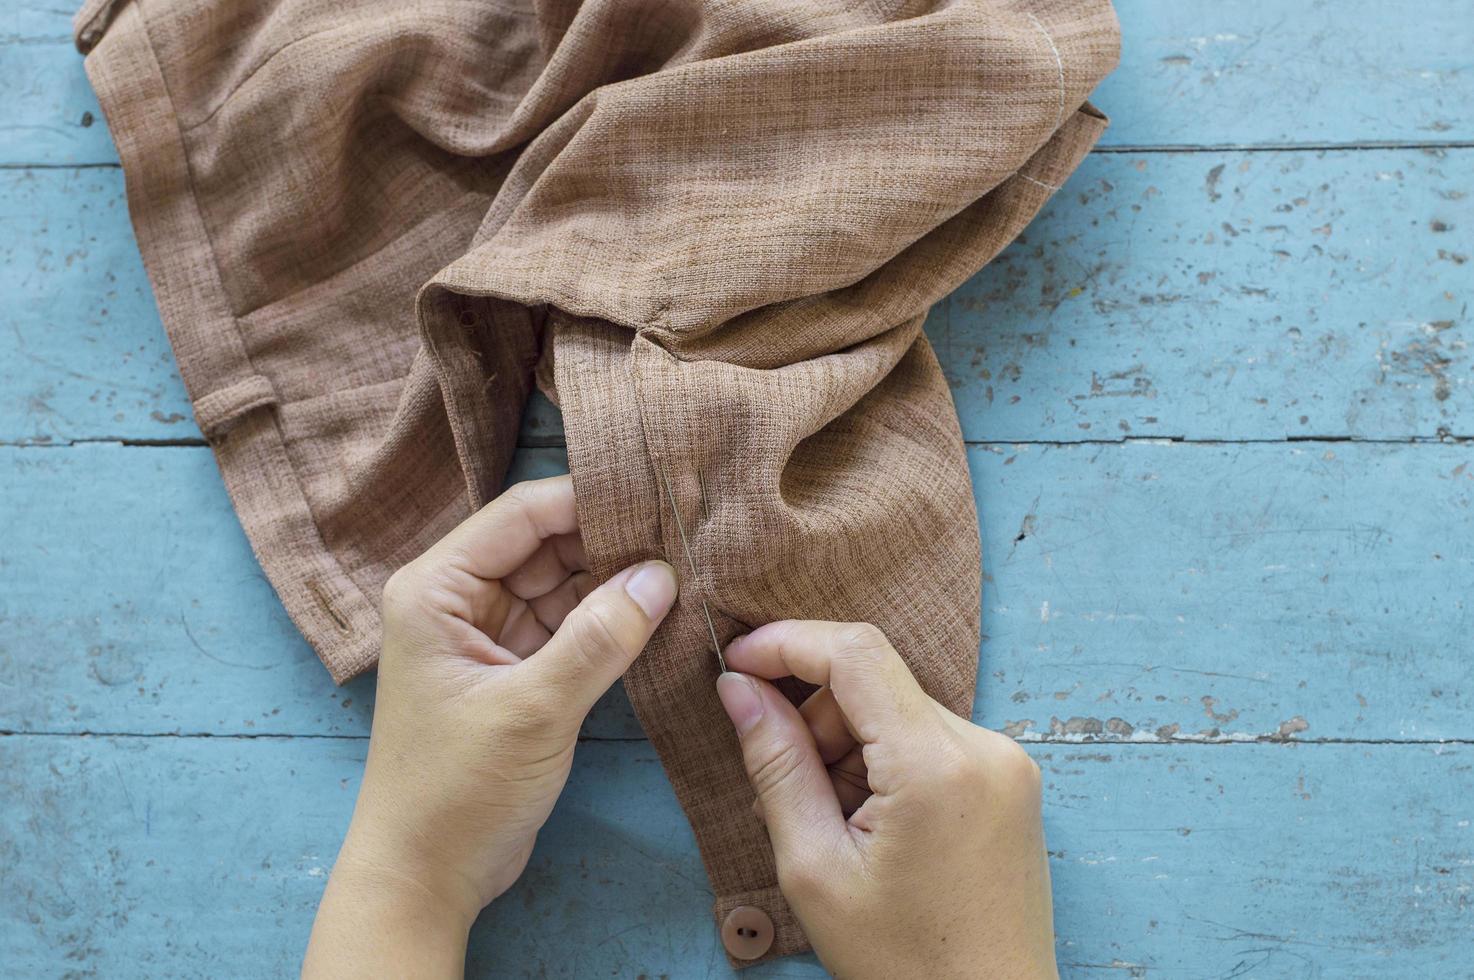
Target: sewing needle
column 686, row 545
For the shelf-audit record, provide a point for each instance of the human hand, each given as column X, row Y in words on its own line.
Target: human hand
column 496, row 645
column 908, row 841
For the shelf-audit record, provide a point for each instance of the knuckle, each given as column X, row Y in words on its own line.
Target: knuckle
column 863, row 637
column 401, row 591
column 591, row 628
column 518, row 494
column 863, row 645
column 1014, row 770
column 777, row 769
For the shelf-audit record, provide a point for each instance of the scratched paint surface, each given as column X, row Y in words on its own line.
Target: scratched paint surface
column 1118, row 606
column 1219, row 410
column 1193, row 73
column 1158, row 858
column 1299, row 294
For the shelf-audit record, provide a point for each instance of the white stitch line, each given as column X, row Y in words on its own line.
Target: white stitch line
column 681, row 529
column 1059, row 64
column 1052, row 187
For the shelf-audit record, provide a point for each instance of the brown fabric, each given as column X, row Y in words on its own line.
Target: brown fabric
column 719, row 225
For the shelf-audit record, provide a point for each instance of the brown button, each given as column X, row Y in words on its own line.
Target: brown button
column 747, row 932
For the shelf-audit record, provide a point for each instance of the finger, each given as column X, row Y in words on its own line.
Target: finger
column 522, row 633
column 551, row 608
column 871, row 683
column 797, row 799
column 851, row 781
column 832, row 734
column 467, row 640
column 544, row 570
column 571, row 551
column 499, row 537
column 602, row 636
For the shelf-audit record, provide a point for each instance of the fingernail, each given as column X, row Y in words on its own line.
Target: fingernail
column 653, row 587
column 741, row 699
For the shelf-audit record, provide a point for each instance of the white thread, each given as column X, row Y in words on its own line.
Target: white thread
column 711, row 627
column 1059, row 63
column 1052, row 187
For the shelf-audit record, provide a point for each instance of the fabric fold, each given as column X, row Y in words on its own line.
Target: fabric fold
column 813, row 451
column 710, row 231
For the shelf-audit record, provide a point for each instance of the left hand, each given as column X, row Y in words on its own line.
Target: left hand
column 496, row 645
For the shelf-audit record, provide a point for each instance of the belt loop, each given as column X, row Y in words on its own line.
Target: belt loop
column 91, row 22
column 216, row 412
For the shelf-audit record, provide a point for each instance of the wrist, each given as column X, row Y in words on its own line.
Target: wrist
column 376, row 921
column 440, row 840
column 398, row 885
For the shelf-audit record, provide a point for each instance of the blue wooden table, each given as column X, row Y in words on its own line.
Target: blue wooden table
column 1219, row 412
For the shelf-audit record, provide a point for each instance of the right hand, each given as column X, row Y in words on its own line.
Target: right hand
column 908, row 841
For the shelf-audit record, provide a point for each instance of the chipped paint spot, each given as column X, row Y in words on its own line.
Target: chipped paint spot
column 1210, row 709
column 1140, row 385
column 1210, row 183
column 1076, row 726
column 1289, row 729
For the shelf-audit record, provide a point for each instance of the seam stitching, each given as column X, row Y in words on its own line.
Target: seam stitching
column 338, row 662
column 1052, row 187
column 1059, row 65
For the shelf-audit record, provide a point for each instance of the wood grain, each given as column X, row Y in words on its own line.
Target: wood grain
column 1193, row 73
column 1182, row 295
column 144, row 857
column 1219, row 403
column 1133, row 592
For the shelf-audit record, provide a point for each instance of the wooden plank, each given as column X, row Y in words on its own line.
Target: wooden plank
column 1197, row 295
column 1160, row 590
column 1232, row 296
column 84, row 354
column 49, row 114
column 1250, row 72
column 1193, row 73
column 171, row 625
column 1167, row 860
column 1139, row 592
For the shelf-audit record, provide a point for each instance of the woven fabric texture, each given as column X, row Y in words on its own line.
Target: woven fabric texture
column 709, row 229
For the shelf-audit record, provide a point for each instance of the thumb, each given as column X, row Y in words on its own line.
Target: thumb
column 792, row 785
column 603, row 635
